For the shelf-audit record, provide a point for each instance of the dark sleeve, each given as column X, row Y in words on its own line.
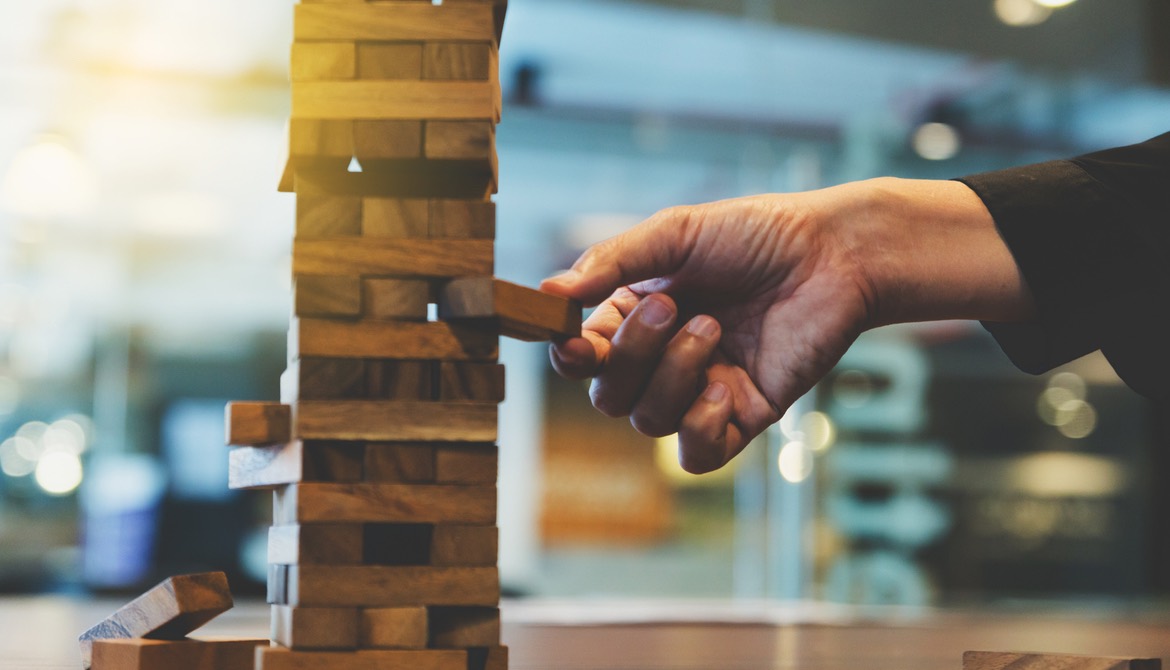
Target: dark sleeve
column 1092, row 238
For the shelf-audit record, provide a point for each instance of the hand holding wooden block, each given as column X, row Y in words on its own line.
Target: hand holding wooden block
column 522, row 313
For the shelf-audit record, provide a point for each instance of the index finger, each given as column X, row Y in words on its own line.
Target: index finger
column 585, row 356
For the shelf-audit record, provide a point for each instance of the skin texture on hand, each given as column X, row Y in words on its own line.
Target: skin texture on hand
column 713, row 319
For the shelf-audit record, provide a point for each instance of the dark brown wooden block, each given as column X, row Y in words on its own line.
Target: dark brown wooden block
column 471, row 382
column 466, row 464
column 401, row 380
column 400, row 462
column 390, row 503
column 322, row 544
column 314, row 378
column 395, row 218
column 293, row 462
column 391, row 586
column 328, row 216
column 398, row 340
column 389, row 61
column 257, row 423
column 471, row 140
column 394, row 100
column 185, row 654
column 453, row 544
column 462, row 627
column 462, row 219
column 379, row 140
column 327, row 296
column 994, row 660
column 169, row 611
column 323, row 60
column 397, row 544
column 394, row 628
column 315, row 627
column 395, row 421
column 276, row 658
column 458, row 61
column 394, row 21
column 395, row 299
column 402, row 257
column 491, row 658
column 521, row 312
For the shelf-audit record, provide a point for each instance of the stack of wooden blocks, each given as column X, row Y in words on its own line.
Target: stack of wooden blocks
column 382, row 455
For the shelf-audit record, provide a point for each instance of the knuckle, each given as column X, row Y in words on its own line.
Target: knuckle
column 605, row 403
column 651, row 424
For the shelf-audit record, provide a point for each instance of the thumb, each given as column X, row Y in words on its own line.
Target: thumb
column 655, row 248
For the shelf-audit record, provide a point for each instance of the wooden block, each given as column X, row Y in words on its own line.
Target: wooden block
column 395, row 299
column 186, row 654
column 466, row 464
column 315, row 378
column 395, row 421
column 276, row 658
column 994, row 660
column 491, row 658
column 321, row 139
column 315, row 627
column 413, row 179
column 394, row 22
column 401, row 380
column 323, row 61
column 403, row 257
column 453, row 544
column 296, row 461
column 395, row 218
column 391, row 340
column 460, row 140
column 522, row 313
column 397, row 544
column 461, row 627
column 389, row 61
column 389, row 503
column 257, row 423
column 328, row 216
column 317, row 544
column 462, row 219
column 458, row 61
column 277, row 591
column 394, row 627
column 169, row 611
column 400, row 462
column 376, row 140
column 391, row 586
column 471, row 382
column 405, row 100
column 328, row 296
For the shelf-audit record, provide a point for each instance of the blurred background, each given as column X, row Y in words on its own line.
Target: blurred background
column 144, row 281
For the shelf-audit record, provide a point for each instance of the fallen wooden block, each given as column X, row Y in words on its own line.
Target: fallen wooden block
column 186, row 654
column 315, row 627
column 395, row 421
column 522, row 313
column 996, row 660
column 275, row 658
column 257, row 423
column 391, row 586
column 390, row 503
column 169, row 611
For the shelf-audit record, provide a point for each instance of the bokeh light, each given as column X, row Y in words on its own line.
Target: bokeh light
column 59, row 473
column 796, row 462
column 1021, row 13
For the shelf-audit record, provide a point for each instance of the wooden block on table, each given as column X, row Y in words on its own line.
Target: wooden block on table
column 294, row 462
column 402, row 257
column 389, row 99
column 276, row 658
column 327, row 295
column 316, row 544
column 394, row 22
column 389, row 61
column 389, row 503
column 462, row 627
column 395, row 218
column 185, row 654
column 315, row 627
column 994, row 660
column 395, row 299
column 391, row 586
column 462, row 219
column 394, row 628
column 323, row 61
column 328, row 216
column 471, row 382
column 469, row 140
column 257, row 423
column 381, row 140
column 466, row 61
column 400, row 462
column 395, row 421
column 466, row 464
column 522, row 312
column 316, row 378
column 170, row 610
column 391, row 340
column 453, row 544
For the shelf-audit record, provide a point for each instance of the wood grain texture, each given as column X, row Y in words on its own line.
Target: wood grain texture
column 402, row 503
column 470, row 140
column 401, row 380
column 400, row 463
column 316, row 544
column 316, row 378
column 394, row 628
column 454, row 544
column 462, row 627
column 317, row 61
column 257, row 423
column 994, row 660
column 395, row 421
column 459, row 61
column 395, row 218
column 315, row 627
column 391, row 586
column 466, row 464
column 462, row 219
column 410, row 179
column 404, row 100
column 399, row 257
column 275, row 658
column 327, row 296
column 395, row 299
column 492, row 658
column 389, row 61
column 328, row 216
column 391, row 340
column 294, row 462
column 186, row 654
column 394, row 22
column 521, row 312
column 169, row 611
column 471, row 382
column 375, row 140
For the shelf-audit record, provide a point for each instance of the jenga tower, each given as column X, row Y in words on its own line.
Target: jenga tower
column 383, row 456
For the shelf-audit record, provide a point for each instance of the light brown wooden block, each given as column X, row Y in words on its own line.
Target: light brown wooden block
column 186, row 654
column 257, row 423
column 523, row 313
column 275, row 658
column 296, row 461
column 328, row 216
column 415, row 179
column 403, row 257
column 326, row 295
column 466, row 464
column 994, row 660
column 315, row 627
column 400, row 462
column 462, row 627
column 391, row 586
column 394, row 421
column 405, row 100
column 389, row 61
column 471, row 382
column 394, row 628
column 460, row 140
column 395, row 218
column 454, row 544
column 320, row 544
column 391, row 340
column 458, row 61
column 394, row 22
column 321, row 139
column 462, row 219
column 380, row 140
column 314, row 378
column 170, row 610
column 395, row 299
column 401, row 380
column 386, row 503
column 323, row 61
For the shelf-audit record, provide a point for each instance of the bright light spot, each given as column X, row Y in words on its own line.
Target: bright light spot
column 936, row 141
column 1063, row 388
column 59, row 473
column 12, row 462
column 818, row 430
column 33, row 430
column 1054, row 3
column 795, row 462
column 47, row 180
column 1020, row 13
column 354, row 165
column 65, row 435
column 1069, row 381
column 853, row 388
column 1076, row 419
column 1065, row 475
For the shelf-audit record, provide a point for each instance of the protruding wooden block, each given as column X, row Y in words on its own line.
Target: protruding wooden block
column 394, row 628
column 391, row 586
column 185, row 654
column 395, row 218
column 390, row 503
column 315, row 627
column 384, row 140
column 466, row 464
column 170, row 610
column 328, row 216
column 389, row 61
column 315, row 378
column 397, row 340
column 471, row 382
column 453, row 544
column 458, row 61
column 394, row 22
column 400, row 462
column 523, row 313
column 323, row 61
column 327, row 296
column 462, row 627
column 395, row 421
column 403, row 257
column 395, row 299
column 321, row 544
column 293, row 462
column 405, row 100
column 276, row 658
column 258, row 423
column 994, row 660
column 406, row 179
column 462, row 219
column 470, row 140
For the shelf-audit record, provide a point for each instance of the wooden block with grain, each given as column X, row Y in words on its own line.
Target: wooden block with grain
column 294, row 462
column 317, row 378
column 391, row 586
column 403, row 179
column 389, row 503
column 315, row 627
column 276, row 658
column 469, row 61
column 379, row 60
column 401, row 257
column 995, row 660
column 466, row 545
column 466, row 463
column 462, row 219
column 324, row 216
column 462, row 627
column 391, row 340
column 323, row 144
column 471, row 382
column 185, row 654
column 394, row 628
column 317, row 61
column 395, row 421
column 395, row 299
column 521, row 312
column 395, row 22
column 400, row 462
column 460, row 140
column 337, row 296
column 375, row 140
column 491, row 658
column 401, row 380
column 316, row 544
column 169, row 611
column 395, row 218
column 257, row 423
column 394, row 100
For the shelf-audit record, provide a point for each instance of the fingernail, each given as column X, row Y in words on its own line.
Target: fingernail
column 566, row 277
column 655, row 312
column 715, row 393
column 703, row 326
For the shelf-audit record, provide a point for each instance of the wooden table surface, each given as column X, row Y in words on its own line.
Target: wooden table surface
column 40, row 633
